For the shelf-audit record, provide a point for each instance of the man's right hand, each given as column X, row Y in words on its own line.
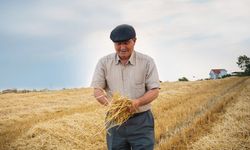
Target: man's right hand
column 101, row 97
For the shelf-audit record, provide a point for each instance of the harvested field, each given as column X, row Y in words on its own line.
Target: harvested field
column 211, row 114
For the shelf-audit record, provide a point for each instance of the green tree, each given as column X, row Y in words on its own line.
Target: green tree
column 244, row 63
column 183, row 79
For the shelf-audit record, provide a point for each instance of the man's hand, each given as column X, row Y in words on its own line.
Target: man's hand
column 101, row 96
column 135, row 106
column 147, row 98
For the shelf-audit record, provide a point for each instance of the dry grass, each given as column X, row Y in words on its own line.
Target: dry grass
column 21, row 112
column 118, row 112
column 69, row 132
column 187, row 114
column 191, row 117
column 233, row 129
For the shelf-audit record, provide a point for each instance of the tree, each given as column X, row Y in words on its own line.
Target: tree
column 183, row 79
column 244, row 64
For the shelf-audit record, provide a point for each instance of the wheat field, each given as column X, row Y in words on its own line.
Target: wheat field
column 211, row 114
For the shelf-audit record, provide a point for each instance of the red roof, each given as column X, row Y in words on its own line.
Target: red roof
column 217, row 71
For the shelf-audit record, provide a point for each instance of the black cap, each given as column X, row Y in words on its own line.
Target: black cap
column 122, row 32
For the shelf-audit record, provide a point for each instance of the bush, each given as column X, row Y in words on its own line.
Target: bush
column 9, row 91
column 183, row 79
column 227, row 75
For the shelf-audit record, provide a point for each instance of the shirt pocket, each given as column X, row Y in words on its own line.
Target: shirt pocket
column 139, row 89
column 139, row 85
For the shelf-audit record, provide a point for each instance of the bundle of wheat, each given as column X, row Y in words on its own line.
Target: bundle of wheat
column 118, row 111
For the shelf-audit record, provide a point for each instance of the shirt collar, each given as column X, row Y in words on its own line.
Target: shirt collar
column 131, row 59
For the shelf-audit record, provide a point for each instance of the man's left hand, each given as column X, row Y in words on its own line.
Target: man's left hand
column 135, row 106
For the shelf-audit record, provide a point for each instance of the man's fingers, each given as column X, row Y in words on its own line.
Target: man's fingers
column 132, row 108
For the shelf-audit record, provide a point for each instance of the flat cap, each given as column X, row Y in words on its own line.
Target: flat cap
column 122, row 32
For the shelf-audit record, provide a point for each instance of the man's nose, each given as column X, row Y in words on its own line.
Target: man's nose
column 123, row 47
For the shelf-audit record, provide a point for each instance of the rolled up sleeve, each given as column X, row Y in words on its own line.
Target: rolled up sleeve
column 152, row 77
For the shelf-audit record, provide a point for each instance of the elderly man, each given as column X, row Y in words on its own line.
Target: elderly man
column 135, row 76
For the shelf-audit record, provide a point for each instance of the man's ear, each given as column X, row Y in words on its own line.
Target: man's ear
column 134, row 39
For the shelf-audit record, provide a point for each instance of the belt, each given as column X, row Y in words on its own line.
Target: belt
column 140, row 113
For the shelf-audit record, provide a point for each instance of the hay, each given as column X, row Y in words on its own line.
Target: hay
column 118, row 111
column 68, row 119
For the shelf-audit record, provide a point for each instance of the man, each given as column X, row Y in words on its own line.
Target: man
column 135, row 76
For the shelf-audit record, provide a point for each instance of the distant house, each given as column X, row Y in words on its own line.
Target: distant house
column 217, row 73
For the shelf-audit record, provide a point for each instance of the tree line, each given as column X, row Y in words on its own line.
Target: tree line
column 242, row 61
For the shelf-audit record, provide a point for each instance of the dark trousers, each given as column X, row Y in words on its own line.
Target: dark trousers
column 137, row 133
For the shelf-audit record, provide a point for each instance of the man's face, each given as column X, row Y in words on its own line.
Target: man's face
column 124, row 49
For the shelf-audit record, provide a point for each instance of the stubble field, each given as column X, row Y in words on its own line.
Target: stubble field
column 213, row 114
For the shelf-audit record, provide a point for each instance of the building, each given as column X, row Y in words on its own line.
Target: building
column 217, row 73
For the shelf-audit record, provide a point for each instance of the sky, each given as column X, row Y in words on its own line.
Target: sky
column 57, row 44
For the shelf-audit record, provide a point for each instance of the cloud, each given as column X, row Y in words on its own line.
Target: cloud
column 185, row 37
column 193, row 37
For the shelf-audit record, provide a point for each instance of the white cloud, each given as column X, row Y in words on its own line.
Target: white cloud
column 186, row 37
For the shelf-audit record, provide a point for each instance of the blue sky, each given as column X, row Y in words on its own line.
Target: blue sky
column 56, row 44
